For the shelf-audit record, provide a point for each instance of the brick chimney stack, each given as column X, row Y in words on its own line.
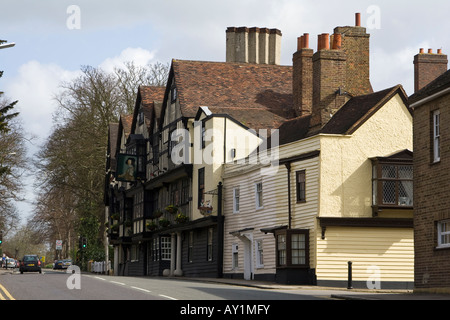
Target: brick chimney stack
column 253, row 45
column 329, row 76
column 427, row 67
column 302, row 81
column 356, row 46
column 325, row 80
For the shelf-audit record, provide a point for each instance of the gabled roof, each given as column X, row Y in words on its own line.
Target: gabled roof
column 148, row 96
column 358, row 109
column 124, row 128
column 440, row 83
column 346, row 120
column 257, row 95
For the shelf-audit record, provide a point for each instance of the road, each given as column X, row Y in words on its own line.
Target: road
column 53, row 285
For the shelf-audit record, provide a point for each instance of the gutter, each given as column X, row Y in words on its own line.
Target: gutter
column 430, row 98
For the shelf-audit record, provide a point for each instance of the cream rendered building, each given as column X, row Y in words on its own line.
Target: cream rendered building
column 329, row 215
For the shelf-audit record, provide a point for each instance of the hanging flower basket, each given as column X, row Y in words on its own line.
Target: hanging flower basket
column 157, row 214
column 151, row 225
column 181, row 218
column 164, row 223
column 205, row 209
column 172, row 209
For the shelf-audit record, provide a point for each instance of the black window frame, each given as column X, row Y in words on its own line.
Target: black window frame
column 300, row 183
column 379, row 182
column 287, row 233
column 201, row 186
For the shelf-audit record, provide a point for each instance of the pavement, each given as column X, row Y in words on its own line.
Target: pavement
column 335, row 292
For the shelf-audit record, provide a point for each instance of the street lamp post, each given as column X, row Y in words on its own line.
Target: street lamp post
column 7, row 45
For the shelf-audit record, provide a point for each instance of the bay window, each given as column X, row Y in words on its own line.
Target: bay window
column 392, row 182
column 292, row 248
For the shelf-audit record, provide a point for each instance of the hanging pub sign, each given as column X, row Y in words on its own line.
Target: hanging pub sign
column 126, row 167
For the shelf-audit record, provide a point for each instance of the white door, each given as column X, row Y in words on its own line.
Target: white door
column 247, row 240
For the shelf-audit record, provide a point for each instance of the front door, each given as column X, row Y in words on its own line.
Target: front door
column 247, row 239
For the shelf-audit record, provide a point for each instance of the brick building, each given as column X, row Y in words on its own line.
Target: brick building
column 431, row 105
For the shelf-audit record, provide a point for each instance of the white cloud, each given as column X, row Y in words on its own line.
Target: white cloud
column 35, row 87
column 139, row 56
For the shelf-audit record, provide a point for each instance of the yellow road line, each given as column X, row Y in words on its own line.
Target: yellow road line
column 7, row 293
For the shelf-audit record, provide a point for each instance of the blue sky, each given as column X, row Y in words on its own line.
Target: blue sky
column 111, row 32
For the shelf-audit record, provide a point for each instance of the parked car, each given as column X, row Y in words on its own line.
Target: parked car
column 30, row 263
column 67, row 263
column 11, row 263
column 58, row 264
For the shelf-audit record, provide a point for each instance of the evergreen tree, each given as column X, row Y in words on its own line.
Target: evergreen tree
column 4, row 118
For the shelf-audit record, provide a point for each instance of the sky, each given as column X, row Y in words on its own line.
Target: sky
column 54, row 38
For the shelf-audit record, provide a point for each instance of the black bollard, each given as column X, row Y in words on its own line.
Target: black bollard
column 349, row 284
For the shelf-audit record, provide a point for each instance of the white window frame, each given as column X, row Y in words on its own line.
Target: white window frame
column 436, row 136
column 234, row 256
column 259, row 204
column 209, row 249
column 440, row 233
column 259, row 249
column 236, row 202
column 166, row 248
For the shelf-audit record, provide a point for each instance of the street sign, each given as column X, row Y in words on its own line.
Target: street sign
column 58, row 244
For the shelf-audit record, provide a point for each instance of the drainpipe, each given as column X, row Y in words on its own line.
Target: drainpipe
column 288, row 167
column 220, row 231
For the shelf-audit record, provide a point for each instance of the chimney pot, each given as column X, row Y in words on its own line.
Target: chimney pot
column 323, row 42
column 427, row 67
column 337, row 41
column 421, row 50
column 299, row 43
column 306, row 40
column 358, row 19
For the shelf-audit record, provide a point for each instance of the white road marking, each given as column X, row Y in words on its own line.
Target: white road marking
column 145, row 290
column 164, row 296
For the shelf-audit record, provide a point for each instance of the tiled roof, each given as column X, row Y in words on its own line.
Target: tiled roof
column 149, row 96
column 257, row 95
column 358, row 109
column 440, row 83
column 126, row 120
column 346, row 120
column 260, row 97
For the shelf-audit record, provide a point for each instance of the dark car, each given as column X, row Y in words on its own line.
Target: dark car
column 58, row 264
column 30, row 263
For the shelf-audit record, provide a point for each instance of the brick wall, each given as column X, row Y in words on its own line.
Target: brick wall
column 427, row 67
column 356, row 46
column 302, row 81
column 317, row 77
column 328, row 76
column 431, row 196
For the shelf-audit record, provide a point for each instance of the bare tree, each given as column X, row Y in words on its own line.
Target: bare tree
column 71, row 164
